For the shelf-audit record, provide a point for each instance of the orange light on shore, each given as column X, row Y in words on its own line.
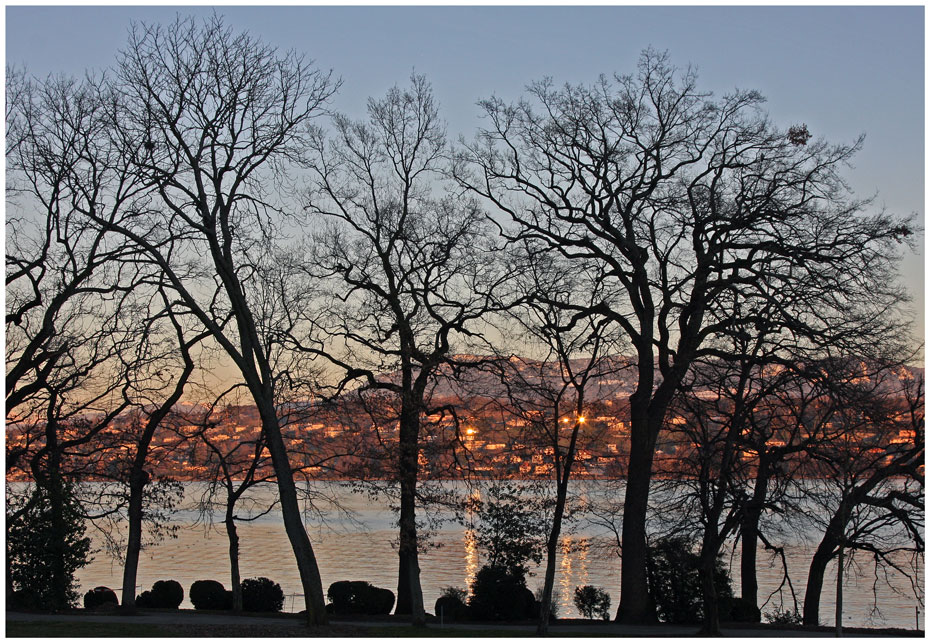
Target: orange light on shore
column 581, row 419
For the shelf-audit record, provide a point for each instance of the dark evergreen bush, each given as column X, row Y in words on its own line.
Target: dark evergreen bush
column 744, row 611
column 210, row 595
column 167, row 593
column 99, row 596
column 44, row 554
column 261, row 595
column 23, row 599
column 500, row 595
column 674, row 579
column 359, row 597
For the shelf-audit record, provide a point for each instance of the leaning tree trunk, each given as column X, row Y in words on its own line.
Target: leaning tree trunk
column 542, row 628
column 234, row 578
column 409, row 591
column 310, row 579
column 139, row 478
column 815, row 574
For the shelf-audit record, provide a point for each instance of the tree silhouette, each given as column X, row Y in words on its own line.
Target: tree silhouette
column 226, row 116
column 690, row 205
column 408, row 275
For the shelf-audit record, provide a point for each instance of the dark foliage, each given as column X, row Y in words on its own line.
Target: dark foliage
column 145, row 599
column 261, row 595
column 510, row 528
column 359, row 597
column 100, row 596
column 167, row 593
column 451, row 608
column 35, row 549
column 674, row 580
column 498, row 594
column 592, row 601
column 744, row 611
column 210, row 595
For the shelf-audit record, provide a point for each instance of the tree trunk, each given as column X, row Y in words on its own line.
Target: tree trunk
column 839, row 592
column 310, row 579
column 409, row 591
column 710, row 609
column 815, row 575
column 749, row 534
column 636, row 607
column 56, row 504
column 137, row 480
column 542, row 628
column 234, row 578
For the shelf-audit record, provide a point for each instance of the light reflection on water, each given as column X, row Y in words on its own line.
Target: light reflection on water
column 363, row 549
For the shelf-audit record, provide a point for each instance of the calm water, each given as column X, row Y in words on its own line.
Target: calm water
column 357, row 543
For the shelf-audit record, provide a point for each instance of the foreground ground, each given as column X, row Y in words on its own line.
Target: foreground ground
column 188, row 623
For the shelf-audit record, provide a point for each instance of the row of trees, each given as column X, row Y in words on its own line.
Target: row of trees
column 189, row 209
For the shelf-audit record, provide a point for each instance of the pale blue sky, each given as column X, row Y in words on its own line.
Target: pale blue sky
column 841, row 70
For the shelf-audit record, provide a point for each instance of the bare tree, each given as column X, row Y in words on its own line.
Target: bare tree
column 408, row 275
column 551, row 395
column 211, row 121
column 689, row 204
column 77, row 303
column 138, row 477
column 234, row 468
column 872, row 496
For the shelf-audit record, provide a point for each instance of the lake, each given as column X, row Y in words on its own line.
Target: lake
column 357, row 542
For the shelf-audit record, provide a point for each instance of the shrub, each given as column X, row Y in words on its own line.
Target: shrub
column 359, row 597
column 451, row 604
column 592, row 601
column 382, row 601
column 210, row 595
column 261, row 595
column 744, row 611
column 454, row 592
column 674, row 580
column 500, row 595
column 167, row 593
column 99, row 596
column 145, row 599
column 783, row 617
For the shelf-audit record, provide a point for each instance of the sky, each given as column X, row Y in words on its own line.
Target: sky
column 843, row 71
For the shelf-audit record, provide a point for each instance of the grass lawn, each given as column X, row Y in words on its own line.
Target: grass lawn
column 74, row 629
column 71, row 629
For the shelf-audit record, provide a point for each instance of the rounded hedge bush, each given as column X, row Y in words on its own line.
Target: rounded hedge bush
column 261, row 595
column 359, row 597
column 451, row 609
column 145, row 599
column 167, row 593
column 210, row 595
column 99, row 596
